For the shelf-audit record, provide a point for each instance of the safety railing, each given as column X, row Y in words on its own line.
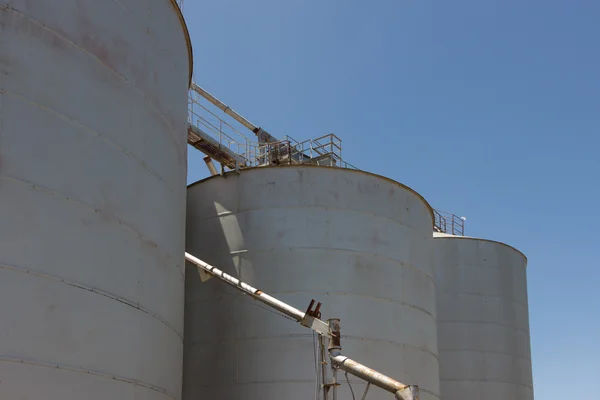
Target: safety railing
column 273, row 153
column 325, row 150
column 449, row 223
column 211, row 124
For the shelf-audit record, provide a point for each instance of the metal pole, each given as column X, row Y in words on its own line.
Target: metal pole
column 366, row 391
column 211, row 166
column 334, row 381
column 334, row 345
column 323, row 362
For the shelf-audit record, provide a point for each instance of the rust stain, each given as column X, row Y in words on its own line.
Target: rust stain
column 44, row 34
column 7, row 66
column 91, row 32
column 90, row 44
column 377, row 240
column 149, row 243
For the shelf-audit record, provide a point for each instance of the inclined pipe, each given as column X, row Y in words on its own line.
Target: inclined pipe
column 256, row 293
column 400, row 390
column 330, row 330
column 225, row 108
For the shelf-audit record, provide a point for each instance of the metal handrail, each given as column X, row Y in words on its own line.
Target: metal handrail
column 202, row 117
column 324, row 150
column 449, row 223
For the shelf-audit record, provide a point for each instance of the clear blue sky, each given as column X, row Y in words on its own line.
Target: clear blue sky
column 489, row 109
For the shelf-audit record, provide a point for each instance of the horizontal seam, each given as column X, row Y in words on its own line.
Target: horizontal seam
column 262, row 250
column 486, row 380
column 397, row 344
column 180, row 152
column 309, row 336
column 512, row 328
column 382, row 299
column 35, row 363
column 482, row 295
column 100, row 292
column 137, row 160
column 111, row 217
column 283, row 382
column 326, row 208
column 504, row 353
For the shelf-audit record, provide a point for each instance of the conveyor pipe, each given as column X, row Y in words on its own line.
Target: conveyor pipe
column 330, row 330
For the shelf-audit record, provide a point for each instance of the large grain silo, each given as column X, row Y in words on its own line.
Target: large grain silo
column 483, row 320
column 359, row 243
column 92, row 198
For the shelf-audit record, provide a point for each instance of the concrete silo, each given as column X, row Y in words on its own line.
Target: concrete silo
column 93, row 99
column 483, row 320
column 359, row 243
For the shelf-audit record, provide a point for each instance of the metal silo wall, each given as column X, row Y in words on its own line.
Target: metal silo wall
column 92, row 198
column 483, row 320
column 357, row 242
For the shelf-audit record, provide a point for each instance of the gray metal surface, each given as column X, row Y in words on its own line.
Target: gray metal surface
column 92, row 199
column 483, row 320
column 357, row 242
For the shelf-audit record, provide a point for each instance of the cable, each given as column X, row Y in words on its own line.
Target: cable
column 366, row 390
column 350, row 386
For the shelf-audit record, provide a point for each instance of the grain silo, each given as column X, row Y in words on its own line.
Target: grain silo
column 483, row 319
column 93, row 101
column 358, row 242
